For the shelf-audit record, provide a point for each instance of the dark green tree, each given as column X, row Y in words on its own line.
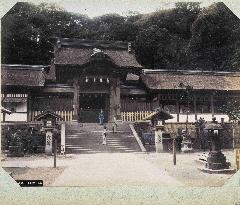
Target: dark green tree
column 232, row 109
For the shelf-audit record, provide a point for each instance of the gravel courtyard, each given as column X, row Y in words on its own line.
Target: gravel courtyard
column 115, row 169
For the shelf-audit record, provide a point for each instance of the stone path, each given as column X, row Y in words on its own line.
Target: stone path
column 101, row 169
column 113, row 170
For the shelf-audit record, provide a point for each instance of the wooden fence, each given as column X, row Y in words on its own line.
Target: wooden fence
column 135, row 116
column 66, row 115
column 237, row 158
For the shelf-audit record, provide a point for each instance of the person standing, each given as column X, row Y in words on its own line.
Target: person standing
column 104, row 136
column 101, row 117
column 114, row 125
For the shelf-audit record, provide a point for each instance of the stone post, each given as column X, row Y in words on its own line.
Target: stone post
column 1, row 155
column 158, row 137
column 174, row 152
column 48, row 147
column 63, row 138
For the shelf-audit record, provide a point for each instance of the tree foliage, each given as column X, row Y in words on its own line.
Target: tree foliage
column 232, row 109
column 185, row 37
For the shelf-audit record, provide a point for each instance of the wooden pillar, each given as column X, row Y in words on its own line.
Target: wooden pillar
column 195, row 106
column 29, row 107
column 177, row 110
column 212, row 105
column 115, row 99
column 75, row 100
column 4, row 116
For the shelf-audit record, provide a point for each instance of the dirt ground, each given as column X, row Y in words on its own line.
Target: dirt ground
column 116, row 169
column 186, row 168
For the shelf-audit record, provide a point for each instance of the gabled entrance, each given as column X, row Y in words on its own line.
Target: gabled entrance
column 91, row 104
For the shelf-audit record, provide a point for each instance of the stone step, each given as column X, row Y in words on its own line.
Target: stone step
column 87, row 138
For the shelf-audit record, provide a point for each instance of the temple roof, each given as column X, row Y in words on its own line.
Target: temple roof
column 159, row 115
column 46, row 114
column 23, row 75
column 4, row 110
column 198, row 80
column 79, row 52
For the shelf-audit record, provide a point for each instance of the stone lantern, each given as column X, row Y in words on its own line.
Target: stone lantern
column 216, row 159
column 49, row 120
column 158, row 120
column 186, row 145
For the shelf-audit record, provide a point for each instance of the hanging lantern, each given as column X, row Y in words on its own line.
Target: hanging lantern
column 107, row 80
column 86, row 79
column 101, row 80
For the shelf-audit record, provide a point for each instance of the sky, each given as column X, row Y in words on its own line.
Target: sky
column 94, row 8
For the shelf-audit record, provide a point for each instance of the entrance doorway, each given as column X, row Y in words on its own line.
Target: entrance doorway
column 91, row 104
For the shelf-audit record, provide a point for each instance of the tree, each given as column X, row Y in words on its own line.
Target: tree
column 213, row 38
column 232, row 109
column 27, row 31
column 185, row 37
column 150, row 45
column 109, row 27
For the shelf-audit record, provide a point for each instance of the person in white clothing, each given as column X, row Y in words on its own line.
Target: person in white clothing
column 104, row 136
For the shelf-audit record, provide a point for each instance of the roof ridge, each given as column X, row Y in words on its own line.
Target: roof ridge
column 23, row 67
column 86, row 43
column 151, row 71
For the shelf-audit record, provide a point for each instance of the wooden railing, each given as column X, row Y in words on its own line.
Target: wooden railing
column 135, row 116
column 66, row 115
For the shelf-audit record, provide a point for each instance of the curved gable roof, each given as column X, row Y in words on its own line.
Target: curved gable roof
column 81, row 56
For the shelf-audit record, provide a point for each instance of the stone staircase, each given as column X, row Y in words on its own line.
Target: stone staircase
column 86, row 138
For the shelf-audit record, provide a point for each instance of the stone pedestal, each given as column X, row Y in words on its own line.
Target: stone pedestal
column 48, row 147
column 217, row 160
column 186, row 146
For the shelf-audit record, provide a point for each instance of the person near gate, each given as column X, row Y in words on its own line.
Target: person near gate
column 114, row 125
column 101, row 117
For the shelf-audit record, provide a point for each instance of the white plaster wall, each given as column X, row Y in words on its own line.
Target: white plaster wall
column 16, row 117
column 21, row 107
column 191, row 117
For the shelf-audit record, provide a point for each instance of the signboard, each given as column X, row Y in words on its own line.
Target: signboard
column 49, row 123
column 30, row 183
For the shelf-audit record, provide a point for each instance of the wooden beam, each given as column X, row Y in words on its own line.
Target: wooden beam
column 58, row 90
column 4, row 117
column 29, row 107
column 76, row 100
column 212, row 105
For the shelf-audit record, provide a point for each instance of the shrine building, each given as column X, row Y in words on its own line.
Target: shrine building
column 87, row 76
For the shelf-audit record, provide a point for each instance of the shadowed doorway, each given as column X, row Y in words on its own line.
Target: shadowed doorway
column 90, row 105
